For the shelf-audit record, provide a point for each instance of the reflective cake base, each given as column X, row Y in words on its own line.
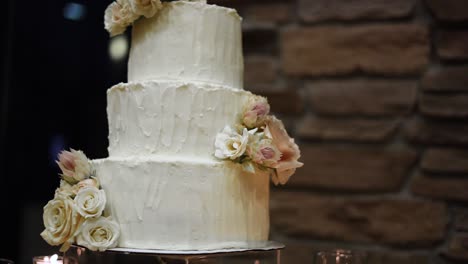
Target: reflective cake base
column 259, row 253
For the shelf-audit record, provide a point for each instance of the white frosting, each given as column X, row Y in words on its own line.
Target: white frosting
column 162, row 203
column 188, row 41
column 170, row 118
column 163, row 185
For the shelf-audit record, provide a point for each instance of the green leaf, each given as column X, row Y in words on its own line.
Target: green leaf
column 249, row 167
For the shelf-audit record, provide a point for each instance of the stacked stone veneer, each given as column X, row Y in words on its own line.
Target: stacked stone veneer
column 376, row 93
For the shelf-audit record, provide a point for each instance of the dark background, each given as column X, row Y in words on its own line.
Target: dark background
column 55, row 73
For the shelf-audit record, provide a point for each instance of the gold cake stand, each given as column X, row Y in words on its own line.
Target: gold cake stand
column 267, row 252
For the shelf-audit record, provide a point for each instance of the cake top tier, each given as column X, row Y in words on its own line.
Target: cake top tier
column 188, row 41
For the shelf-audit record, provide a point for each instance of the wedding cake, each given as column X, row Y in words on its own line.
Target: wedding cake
column 191, row 153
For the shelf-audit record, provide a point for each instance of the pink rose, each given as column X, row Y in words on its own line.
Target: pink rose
column 147, row 8
column 74, row 165
column 255, row 111
column 290, row 152
column 264, row 153
column 91, row 182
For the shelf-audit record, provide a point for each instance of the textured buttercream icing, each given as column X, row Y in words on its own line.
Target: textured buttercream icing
column 169, row 118
column 188, row 41
column 169, row 204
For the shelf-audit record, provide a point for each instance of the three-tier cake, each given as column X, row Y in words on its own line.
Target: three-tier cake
column 163, row 184
column 191, row 153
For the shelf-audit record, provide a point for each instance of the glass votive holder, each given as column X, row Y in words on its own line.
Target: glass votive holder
column 340, row 256
column 54, row 259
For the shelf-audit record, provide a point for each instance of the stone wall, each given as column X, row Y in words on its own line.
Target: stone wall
column 376, row 93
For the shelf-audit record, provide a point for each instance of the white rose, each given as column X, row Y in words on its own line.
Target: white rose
column 230, row 144
column 61, row 222
column 99, row 234
column 90, row 201
column 118, row 16
column 147, row 8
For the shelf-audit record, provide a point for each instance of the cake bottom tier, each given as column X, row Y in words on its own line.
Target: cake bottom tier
column 184, row 205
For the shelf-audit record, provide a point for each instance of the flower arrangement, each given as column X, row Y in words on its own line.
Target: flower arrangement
column 259, row 141
column 75, row 215
column 122, row 13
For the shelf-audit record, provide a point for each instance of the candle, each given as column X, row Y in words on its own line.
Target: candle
column 54, row 259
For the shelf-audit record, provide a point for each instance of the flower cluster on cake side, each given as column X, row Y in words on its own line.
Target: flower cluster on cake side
column 259, row 141
column 75, row 214
column 122, row 13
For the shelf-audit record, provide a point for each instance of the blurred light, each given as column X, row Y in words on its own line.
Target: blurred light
column 57, row 144
column 53, row 259
column 74, row 11
column 118, row 48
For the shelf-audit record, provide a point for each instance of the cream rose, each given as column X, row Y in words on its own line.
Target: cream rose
column 255, row 111
column 230, row 144
column 290, row 152
column 61, row 222
column 147, row 8
column 71, row 190
column 74, row 165
column 90, row 201
column 99, row 234
column 118, row 16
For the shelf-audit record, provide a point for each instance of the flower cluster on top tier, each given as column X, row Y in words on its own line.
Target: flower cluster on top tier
column 259, row 141
column 122, row 13
column 75, row 215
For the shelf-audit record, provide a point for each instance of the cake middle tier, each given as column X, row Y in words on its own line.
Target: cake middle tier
column 170, row 118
